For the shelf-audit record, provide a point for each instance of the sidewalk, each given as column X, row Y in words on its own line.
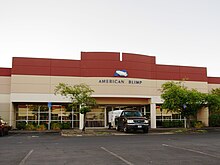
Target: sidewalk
column 155, row 131
column 33, row 132
column 90, row 132
column 108, row 132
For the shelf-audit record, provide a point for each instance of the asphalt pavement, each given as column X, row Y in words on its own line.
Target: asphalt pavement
column 139, row 149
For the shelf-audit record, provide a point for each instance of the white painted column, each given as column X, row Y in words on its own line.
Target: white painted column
column 12, row 116
column 38, row 116
column 49, row 118
column 153, row 115
column 106, row 124
column 81, row 121
column 144, row 110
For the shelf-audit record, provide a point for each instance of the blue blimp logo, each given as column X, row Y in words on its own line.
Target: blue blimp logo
column 121, row 73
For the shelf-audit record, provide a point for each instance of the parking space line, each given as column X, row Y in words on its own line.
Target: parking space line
column 26, row 157
column 191, row 150
column 117, row 156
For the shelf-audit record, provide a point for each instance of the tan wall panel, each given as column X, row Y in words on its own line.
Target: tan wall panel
column 5, row 85
column 125, row 90
column 147, row 87
column 94, row 81
column 29, row 79
column 38, row 97
column 30, row 84
column 126, row 101
column 5, row 111
column 5, row 80
column 203, row 115
column 213, row 86
column 45, row 84
column 5, row 89
column 55, row 80
column 196, row 85
column 4, row 98
column 30, row 88
column 200, row 86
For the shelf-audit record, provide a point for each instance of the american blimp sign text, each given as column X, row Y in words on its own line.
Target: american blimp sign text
column 121, row 73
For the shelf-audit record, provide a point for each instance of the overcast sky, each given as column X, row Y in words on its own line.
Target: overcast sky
column 177, row 32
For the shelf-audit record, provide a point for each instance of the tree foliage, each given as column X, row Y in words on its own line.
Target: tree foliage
column 80, row 96
column 214, row 100
column 216, row 91
column 178, row 98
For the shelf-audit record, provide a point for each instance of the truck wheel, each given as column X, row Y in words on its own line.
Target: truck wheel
column 109, row 126
column 125, row 129
column 117, row 128
column 145, row 130
column 6, row 132
column 2, row 133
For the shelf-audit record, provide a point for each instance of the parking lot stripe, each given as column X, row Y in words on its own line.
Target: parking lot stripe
column 26, row 157
column 191, row 150
column 117, row 156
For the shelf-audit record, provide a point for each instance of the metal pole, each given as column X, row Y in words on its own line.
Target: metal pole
column 184, row 122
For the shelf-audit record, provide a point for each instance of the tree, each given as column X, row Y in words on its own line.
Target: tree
column 214, row 101
column 177, row 98
column 216, row 91
column 80, row 96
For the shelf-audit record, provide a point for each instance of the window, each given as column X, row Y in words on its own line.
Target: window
column 96, row 117
column 38, row 114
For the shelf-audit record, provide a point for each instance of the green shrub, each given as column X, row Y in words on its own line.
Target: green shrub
column 172, row 124
column 41, row 127
column 55, row 126
column 66, row 125
column 198, row 124
column 214, row 120
column 30, row 126
column 21, row 125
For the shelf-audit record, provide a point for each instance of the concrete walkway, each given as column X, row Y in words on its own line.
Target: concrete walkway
column 108, row 132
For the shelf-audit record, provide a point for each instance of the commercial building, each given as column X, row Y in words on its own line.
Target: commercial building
column 120, row 81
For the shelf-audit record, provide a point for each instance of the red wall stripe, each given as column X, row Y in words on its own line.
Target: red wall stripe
column 5, row 71
column 104, row 64
column 96, row 56
column 214, row 80
column 138, row 58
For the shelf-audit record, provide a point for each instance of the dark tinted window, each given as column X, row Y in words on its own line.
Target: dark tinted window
column 132, row 114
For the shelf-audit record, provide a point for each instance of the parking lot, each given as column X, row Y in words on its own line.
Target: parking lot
column 51, row 148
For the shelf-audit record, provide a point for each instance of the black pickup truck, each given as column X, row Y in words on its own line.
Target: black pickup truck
column 131, row 120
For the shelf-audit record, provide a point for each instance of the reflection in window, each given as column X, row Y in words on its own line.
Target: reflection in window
column 95, row 118
column 39, row 113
